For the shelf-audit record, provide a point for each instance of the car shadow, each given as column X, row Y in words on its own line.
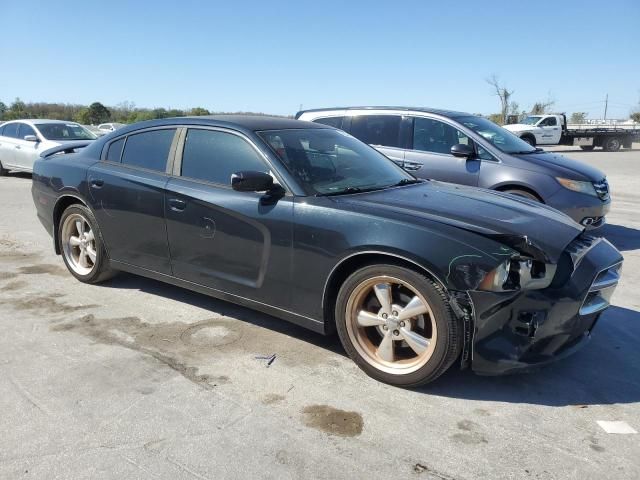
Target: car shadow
column 221, row 307
column 605, row 372
column 623, row 238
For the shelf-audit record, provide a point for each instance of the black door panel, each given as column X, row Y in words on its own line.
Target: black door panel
column 230, row 240
column 129, row 206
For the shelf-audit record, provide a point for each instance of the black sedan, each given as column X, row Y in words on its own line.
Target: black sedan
column 307, row 223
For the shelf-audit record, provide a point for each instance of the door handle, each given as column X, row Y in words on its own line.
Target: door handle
column 18, row 147
column 177, row 205
column 97, row 183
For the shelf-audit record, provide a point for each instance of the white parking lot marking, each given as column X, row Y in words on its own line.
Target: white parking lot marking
column 616, row 427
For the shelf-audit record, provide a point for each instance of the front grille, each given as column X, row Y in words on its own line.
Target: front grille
column 602, row 189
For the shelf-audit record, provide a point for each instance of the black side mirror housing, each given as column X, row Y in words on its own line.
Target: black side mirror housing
column 251, row 181
column 462, row 150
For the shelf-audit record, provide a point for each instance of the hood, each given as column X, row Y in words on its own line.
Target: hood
column 519, row 223
column 560, row 166
column 519, row 127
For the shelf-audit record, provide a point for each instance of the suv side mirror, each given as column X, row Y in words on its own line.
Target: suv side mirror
column 31, row 138
column 462, row 150
column 250, row 181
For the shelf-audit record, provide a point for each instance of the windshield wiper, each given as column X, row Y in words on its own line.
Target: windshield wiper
column 407, row 181
column 340, row 192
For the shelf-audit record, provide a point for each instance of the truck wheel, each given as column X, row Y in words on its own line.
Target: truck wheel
column 397, row 325
column 530, row 139
column 612, row 144
column 587, row 148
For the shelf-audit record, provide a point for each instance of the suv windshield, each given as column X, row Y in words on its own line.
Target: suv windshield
column 498, row 136
column 330, row 162
column 65, row 131
column 531, row 120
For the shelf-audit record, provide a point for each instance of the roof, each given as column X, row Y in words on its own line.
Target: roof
column 444, row 113
column 259, row 122
column 39, row 121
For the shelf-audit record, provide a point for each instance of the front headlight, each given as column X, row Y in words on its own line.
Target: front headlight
column 518, row 274
column 577, row 186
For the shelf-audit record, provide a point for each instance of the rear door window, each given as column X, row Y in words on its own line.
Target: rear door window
column 381, row 130
column 11, row 130
column 115, row 151
column 148, row 150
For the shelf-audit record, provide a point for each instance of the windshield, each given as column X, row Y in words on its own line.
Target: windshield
column 531, row 120
column 498, row 136
column 329, row 162
column 65, row 131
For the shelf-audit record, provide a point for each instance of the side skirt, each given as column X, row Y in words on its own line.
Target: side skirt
column 306, row 322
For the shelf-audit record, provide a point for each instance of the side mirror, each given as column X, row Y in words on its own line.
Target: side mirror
column 462, row 150
column 31, row 138
column 250, row 181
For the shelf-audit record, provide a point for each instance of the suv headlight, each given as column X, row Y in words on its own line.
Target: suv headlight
column 519, row 274
column 578, row 186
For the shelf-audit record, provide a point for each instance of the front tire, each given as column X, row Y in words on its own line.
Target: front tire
column 397, row 325
column 80, row 242
column 530, row 139
column 522, row 193
column 3, row 171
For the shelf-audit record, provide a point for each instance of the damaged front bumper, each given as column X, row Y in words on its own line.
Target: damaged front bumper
column 525, row 329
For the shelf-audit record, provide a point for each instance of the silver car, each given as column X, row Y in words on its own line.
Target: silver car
column 22, row 141
column 462, row 148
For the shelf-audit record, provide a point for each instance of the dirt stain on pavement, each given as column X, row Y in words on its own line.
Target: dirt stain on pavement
column 470, row 436
column 48, row 304
column 271, row 398
column 174, row 344
column 12, row 286
column 7, row 275
column 42, row 269
column 332, row 420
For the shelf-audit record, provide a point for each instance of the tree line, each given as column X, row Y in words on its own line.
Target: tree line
column 96, row 113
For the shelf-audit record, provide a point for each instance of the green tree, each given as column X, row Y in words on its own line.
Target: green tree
column 97, row 113
column 635, row 116
column 578, row 117
column 496, row 118
column 199, row 111
column 3, row 109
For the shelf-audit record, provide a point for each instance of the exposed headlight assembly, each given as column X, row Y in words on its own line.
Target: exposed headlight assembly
column 577, row 186
column 518, row 274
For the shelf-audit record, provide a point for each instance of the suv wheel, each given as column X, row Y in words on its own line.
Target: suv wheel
column 396, row 325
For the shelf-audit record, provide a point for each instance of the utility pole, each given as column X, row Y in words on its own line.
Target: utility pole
column 606, row 104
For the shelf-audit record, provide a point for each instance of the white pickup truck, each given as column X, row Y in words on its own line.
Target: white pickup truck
column 553, row 130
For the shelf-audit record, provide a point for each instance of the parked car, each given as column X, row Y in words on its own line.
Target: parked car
column 470, row 150
column 552, row 129
column 22, row 141
column 109, row 127
column 307, row 223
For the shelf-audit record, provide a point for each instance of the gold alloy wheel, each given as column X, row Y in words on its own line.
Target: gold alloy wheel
column 78, row 244
column 391, row 325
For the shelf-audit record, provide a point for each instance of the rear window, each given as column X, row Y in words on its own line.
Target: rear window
column 377, row 129
column 330, row 121
column 148, row 150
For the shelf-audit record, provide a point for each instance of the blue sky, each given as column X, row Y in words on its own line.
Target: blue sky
column 272, row 56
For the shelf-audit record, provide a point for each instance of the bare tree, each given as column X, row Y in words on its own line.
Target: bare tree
column 502, row 93
column 543, row 106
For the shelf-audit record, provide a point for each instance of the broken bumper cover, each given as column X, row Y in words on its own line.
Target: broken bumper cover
column 520, row 330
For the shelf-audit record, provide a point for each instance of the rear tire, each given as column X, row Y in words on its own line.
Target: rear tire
column 397, row 325
column 80, row 242
column 612, row 144
column 587, row 148
column 530, row 139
